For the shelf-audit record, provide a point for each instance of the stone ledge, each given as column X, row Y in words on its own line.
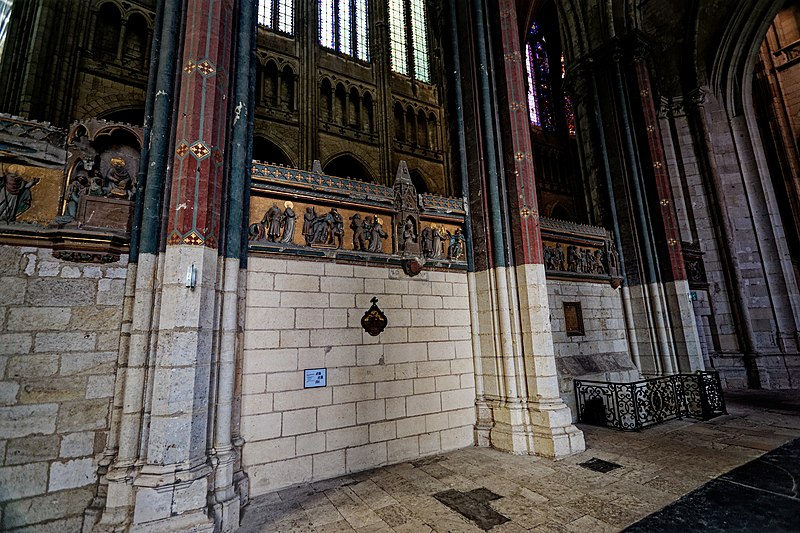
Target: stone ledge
column 75, row 245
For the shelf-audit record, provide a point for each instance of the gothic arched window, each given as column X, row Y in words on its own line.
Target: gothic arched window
column 569, row 115
column 540, row 104
column 410, row 55
column 343, row 27
column 277, row 15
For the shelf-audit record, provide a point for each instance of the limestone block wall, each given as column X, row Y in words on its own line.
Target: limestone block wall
column 407, row 393
column 602, row 352
column 59, row 334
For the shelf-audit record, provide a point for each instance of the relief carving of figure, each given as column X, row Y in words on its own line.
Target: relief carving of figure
column 95, row 184
column 76, row 189
column 427, row 242
column 559, row 258
column 408, row 233
column 572, row 258
column 436, row 246
column 598, row 262
column 337, row 228
column 366, row 231
column 456, row 249
column 15, row 196
column 272, row 220
column 321, row 228
column 377, row 234
column 359, row 242
column 289, row 219
column 119, row 181
column 308, row 225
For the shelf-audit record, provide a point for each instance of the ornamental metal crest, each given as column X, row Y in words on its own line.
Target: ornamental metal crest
column 374, row 321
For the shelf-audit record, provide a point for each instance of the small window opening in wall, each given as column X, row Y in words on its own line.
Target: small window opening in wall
column 573, row 319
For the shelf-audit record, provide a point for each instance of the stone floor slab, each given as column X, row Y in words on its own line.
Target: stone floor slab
column 657, row 467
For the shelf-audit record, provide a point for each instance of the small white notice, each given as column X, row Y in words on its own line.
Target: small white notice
column 316, row 377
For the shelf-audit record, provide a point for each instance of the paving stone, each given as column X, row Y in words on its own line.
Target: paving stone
column 45, row 508
column 656, row 466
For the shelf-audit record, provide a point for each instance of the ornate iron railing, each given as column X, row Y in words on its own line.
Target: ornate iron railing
column 640, row 404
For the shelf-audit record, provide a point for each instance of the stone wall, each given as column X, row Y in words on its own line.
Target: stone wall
column 602, row 352
column 59, row 334
column 408, row 393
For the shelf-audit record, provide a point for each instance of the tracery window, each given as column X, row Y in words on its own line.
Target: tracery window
column 540, row 105
column 5, row 16
column 344, row 27
column 542, row 98
column 568, row 113
column 408, row 35
column 277, row 15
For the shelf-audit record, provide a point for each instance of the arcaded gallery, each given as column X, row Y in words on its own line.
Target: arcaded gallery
column 399, row 265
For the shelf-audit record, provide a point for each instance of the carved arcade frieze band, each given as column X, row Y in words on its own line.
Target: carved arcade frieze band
column 579, row 251
column 336, row 217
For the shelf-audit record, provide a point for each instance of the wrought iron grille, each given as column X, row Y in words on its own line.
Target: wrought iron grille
column 640, row 404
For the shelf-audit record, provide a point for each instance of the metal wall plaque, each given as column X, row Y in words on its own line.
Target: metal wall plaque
column 573, row 319
column 315, row 377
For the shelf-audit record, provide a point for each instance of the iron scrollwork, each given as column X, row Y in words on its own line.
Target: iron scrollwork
column 637, row 405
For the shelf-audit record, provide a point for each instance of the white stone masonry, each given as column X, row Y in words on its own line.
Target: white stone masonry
column 407, row 393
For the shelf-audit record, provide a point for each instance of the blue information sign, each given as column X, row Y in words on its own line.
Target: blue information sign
column 316, row 377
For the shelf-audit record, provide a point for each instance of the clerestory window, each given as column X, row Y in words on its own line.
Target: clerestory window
column 540, row 105
column 5, row 17
column 543, row 101
column 344, row 27
column 408, row 35
column 277, row 15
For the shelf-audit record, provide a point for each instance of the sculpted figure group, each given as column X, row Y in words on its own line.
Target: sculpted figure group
column 326, row 229
column 368, row 233
column 87, row 180
column 575, row 259
column 434, row 239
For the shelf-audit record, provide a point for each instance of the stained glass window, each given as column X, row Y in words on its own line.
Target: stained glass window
column 277, row 15
column 533, row 104
column 419, row 41
column 344, row 27
column 5, row 16
column 397, row 36
column 569, row 115
column 540, row 87
column 327, row 29
column 408, row 32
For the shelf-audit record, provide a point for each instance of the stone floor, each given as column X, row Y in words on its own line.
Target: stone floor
column 512, row 493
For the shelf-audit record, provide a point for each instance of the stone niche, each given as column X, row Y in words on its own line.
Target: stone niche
column 100, row 185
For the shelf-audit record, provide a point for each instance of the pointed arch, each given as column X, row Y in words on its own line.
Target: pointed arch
column 267, row 151
column 347, row 165
column 108, row 26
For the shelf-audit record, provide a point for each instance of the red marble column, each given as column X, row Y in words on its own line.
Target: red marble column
column 198, row 174
column 528, row 242
column 669, row 216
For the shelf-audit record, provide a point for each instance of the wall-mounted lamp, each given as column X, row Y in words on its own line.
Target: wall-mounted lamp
column 191, row 277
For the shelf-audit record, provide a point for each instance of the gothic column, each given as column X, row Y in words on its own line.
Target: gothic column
column 173, row 484
column 676, row 286
column 517, row 360
column 174, row 459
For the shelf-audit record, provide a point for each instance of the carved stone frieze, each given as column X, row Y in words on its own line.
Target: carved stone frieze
column 579, row 250
column 328, row 216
